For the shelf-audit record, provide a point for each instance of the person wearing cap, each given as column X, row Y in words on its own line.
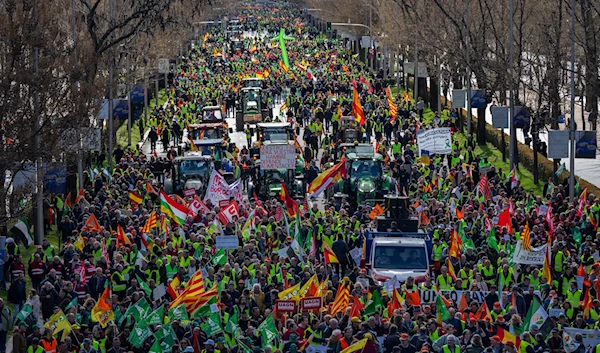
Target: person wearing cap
column 48, row 342
column 19, row 341
column 451, row 345
column 209, row 347
column 497, row 311
column 35, row 334
column 405, row 345
column 497, row 344
column 555, row 343
column 371, row 345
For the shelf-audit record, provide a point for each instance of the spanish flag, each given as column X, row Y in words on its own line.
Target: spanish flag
column 327, row 178
column 283, row 66
column 290, row 203
column 253, row 49
column 135, row 198
column 173, row 287
column 330, row 257
column 506, row 336
column 357, row 110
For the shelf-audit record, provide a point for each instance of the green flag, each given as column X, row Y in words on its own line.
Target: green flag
column 144, row 286
column 577, row 235
column 220, row 258
column 374, row 304
column 492, row 241
column 74, row 303
column 467, row 242
column 166, row 336
column 232, row 325
column 536, row 315
column 59, row 203
column 207, row 309
column 140, row 333
column 155, row 317
column 156, row 348
column 212, row 326
column 178, row 313
column 267, row 330
column 244, row 347
column 441, row 309
column 24, row 313
column 138, row 310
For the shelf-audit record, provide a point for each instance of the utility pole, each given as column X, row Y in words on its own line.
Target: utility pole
column 111, row 59
column 79, row 134
column 39, row 207
column 572, row 125
column 513, row 130
column 468, row 53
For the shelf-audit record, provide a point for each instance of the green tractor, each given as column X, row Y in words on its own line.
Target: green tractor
column 252, row 108
column 267, row 183
column 365, row 181
column 189, row 172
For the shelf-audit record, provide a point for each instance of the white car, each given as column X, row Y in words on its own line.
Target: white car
column 400, row 257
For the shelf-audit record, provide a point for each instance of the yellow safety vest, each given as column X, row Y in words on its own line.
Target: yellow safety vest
column 171, row 270
column 438, row 252
column 446, row 349
column 38, row 350
column 574, row 298
column 115, row 286
column 466, row 278
column 183, row 262
column 558, row 261
column 445, row 283
column 523, row 346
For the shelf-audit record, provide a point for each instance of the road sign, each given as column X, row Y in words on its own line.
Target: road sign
column 163, row 66
column 558, row 144
column 500, row 117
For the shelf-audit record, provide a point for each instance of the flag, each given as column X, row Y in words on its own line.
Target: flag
column 192, row 291
column 105, row 252
column 376, row 211
column 357, row 306
column 151, row 222
column 451, row 269
column 80, row 196
column 342, row 299
column 484, row 187
column 329, row 255
column 504, row 220
column 506, row 336
column 220, row 258
column 140, row 333
column 357, row 346
column 536, row 315
column 492, row 241
column 290, row 204
column 26, row 310
column 155, row 317
column 144, row 286
column 587, row 304
column 135, row 198
column 441, row 309
column 227, row 213
column 357, row 110
column 205, row 37
column 21, row 233
column 102, row 312
column 374, row 304
column 283, row 106
column 513, row 177
column 267, row 330
column 459, row 214
column 79, row 243
column 204, row 298
column 121, row 236
column 174, row 210
column 232, row 325
column 156, row 348
column 391, row 105
column 178, row 313
column 93, row 224
column 412, row 298
column 455, row 243
column 582, row 200
column 62, row 326
column 193, row 146
column 526, row 237
column 327, row 178
column 546, row 269
column 173, row 287
column 291, row 292
column 283, row 66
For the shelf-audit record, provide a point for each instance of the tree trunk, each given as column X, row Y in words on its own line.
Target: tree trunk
column 481, row 126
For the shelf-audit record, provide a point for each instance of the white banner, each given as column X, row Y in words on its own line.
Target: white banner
column 435, row 141
column 529, row 257
column 218, row 189
column 277, row 157
column 227, row 242
column 591, row 338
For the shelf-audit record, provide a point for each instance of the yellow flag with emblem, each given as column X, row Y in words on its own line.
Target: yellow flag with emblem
column 290, row 293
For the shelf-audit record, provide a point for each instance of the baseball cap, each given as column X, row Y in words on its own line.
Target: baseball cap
column 209, row 342
column 404, row 336
column 496, row 338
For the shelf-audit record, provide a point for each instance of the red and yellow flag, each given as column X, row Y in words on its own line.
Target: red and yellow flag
column 455, row 243
column 329, row 255
column 357, row 110
column 80, row 196
column 191, row 293
column 290, row 204
column 121, row 236
column 93, row 224
column 526, row 237
column 327, row 178
column 172, row 288
column 135, row 198
column 391, row 104
column 342, row 299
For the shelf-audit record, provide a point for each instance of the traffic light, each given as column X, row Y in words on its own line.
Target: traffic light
column 328, row 26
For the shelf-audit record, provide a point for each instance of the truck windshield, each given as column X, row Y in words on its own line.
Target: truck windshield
column 198, row 134
column 398, row 257
column 365, row 169
column 193, row 169
column 275, row 134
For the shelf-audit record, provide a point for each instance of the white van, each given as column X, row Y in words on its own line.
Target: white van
column 400, row 257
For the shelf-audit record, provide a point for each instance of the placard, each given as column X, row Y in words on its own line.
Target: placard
column 500, row 117
column 558, row 144
column 163, row 66
column 286, row 306
column 227, row 242
column 478, row 99
column 218, row 189
column 277, row 157
column 189, row 192
column 459, row 97
column 555, row 312
column 356, row 255
column 311, row 303
column 591, row 338
column 435, row 141
column 529, row 257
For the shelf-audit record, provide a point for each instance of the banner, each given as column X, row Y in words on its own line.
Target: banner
column 500, row 117
column 429, row 296
column 218, row 189
column 286, row 306
column 529, row 257
column 311, row 303
column 227, row 242
column 226, row 215
column 585, row 144
column 435, row 141
column 591, row 338
column 478, row 99
column 521, row 117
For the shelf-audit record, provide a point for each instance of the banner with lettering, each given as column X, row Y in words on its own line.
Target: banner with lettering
column 534, row 256
column 218, row 189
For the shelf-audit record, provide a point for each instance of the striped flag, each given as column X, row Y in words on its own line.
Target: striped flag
column 283, row 106
column 526, row 237
column 357, row 110
column 329, row 255
column 342, row 299
column 283, row 66
column 150, row 223
column 202, row 299
column 391, row 104
column 175, row 211
column 546, row 269
column 327, row 178
column 135, row 198
column 191, row 293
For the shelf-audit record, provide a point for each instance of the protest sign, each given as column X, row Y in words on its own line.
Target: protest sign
column 286, row 306
column 227, row 242
column 277, row 157
column 311, row 303
column 218, row 189
column 529, row 257
column 435, row 141
column 591, row 338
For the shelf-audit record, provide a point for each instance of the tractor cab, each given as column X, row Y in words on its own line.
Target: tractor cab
column 348, row 130
column 254, row 107
column 253, row 82
column 276, row 132
column 267, row 183
column 212, row 114
column 213, row 148
column 191, row 171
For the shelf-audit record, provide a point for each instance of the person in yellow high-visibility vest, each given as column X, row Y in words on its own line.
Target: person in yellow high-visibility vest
column 444, row 280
